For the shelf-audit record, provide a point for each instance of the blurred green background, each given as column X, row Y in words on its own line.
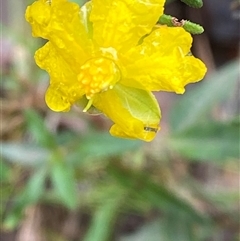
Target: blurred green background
column 64, row 178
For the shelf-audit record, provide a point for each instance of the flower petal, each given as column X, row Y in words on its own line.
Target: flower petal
column 162, row 61
column 64, row 25
column 135, row 112
column 64, row 88
column 121, row 23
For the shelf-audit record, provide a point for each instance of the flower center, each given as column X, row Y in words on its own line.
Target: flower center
column 97, row 75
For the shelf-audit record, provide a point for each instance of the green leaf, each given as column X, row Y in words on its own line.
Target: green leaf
column 192, row 28
column 4, row 172
column 29, row 195
column 24, row 154
column 193, row 3
column 12, row 221
column 38, row 129
column 171, row 21
column 170, row 227
column 35, row 186
column 143, row 188
column 102, row 144
column 210, row 141
column 196, row 104
column 181, row 227
column 62, row 176
column 103, row 220
column 151, row 232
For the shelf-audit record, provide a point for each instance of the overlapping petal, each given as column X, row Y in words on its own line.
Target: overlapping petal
column 64, row 90
column 135, row 112
column 64, row 25
column 163, row 62
column 121, row 24
column 69, row 46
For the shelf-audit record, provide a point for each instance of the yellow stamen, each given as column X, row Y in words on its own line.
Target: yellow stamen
column 97, row 75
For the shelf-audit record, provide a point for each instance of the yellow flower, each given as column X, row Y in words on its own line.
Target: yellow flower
column 112, row 54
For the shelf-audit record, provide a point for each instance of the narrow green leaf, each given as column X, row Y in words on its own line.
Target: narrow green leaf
column 12, row 221
column 196, row 104
column 15, row 215
column 35, row 186
column 180, row 227
column 29, row 195
column 192, row 28
column 62, row 176
column 169, row 227
column 38, row 129
column 24, row 154
column 4, row 171
column 150, row 232
column 101, row 144
column 210, row 141
column 157, row 195
column 166, row 19
column 193, row 3
column 103, row 221
column 189, row 26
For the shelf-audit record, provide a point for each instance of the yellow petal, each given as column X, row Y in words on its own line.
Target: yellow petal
column 64, row 25
column 39, row 15
column 135, row 112
column 64, row 88
column 121, row 23
column 58, row 97
column 162, row 61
